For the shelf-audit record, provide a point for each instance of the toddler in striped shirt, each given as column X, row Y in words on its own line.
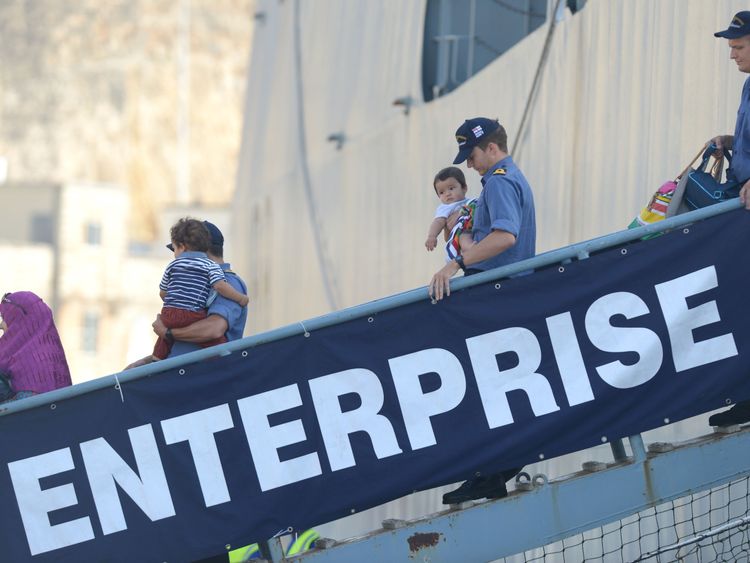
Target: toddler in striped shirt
column 188, row 281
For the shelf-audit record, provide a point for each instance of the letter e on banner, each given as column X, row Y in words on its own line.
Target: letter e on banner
column 681, row 321
column 265, row 440
column 35, row 504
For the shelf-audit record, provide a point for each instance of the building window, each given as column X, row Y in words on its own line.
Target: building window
column 90, row 334
column 464, row 36
column 41, row 228
column 93, row 234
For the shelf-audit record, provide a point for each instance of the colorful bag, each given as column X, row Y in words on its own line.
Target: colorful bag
column 668, row 199
column 656, row 210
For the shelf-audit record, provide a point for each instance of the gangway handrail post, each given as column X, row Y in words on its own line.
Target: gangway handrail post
column 272, row 550
column 618, row 450
column 638, row 448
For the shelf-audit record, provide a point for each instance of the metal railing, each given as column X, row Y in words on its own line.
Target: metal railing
column 577, row 251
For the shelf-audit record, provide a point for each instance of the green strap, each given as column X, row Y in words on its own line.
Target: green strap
column 243, row 553
column 303, row 542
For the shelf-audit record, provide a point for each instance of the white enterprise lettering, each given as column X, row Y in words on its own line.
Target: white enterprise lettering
column 148, row 486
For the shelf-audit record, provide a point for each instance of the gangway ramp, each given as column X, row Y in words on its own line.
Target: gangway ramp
column 197, row 455
column 548, row 511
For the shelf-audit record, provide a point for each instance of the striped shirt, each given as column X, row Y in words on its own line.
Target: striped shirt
column 188, row 280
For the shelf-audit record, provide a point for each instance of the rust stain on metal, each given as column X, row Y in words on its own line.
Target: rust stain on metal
column 648, row 483
column 420, row 541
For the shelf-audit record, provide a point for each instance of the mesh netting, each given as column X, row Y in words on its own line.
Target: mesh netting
column 705, row 527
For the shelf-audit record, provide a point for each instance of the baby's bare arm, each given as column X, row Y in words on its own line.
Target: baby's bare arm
column 225, row 289
column 437, row 225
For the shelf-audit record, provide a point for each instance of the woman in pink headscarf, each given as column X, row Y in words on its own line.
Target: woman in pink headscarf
column 31, row 354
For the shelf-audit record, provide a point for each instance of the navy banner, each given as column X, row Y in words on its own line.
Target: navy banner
column 304, row 430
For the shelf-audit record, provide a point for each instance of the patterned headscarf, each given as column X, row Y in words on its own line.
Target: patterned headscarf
column 30, row 349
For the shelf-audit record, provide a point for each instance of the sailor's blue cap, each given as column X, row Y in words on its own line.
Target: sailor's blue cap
column 470, row 134
column 738, row 27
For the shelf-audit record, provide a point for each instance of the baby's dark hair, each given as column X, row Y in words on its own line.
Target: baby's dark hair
column 449, row 172
column 191, row 233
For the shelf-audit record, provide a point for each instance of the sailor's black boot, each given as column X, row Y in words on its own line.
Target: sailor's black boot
column 491, row 486
column 738, row 414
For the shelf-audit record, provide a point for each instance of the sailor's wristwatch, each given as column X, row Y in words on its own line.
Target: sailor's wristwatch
column 460, row 262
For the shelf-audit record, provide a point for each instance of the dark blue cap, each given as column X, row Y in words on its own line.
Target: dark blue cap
column 738, row 27
column 470, row 134
column 217, row 239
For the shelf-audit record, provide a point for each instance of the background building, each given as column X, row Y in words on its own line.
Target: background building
column 68, row 243
column 114, row 116
column 142, row 94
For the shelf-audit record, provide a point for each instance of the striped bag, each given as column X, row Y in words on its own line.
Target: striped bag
column 656, row 210
column 668, row 199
